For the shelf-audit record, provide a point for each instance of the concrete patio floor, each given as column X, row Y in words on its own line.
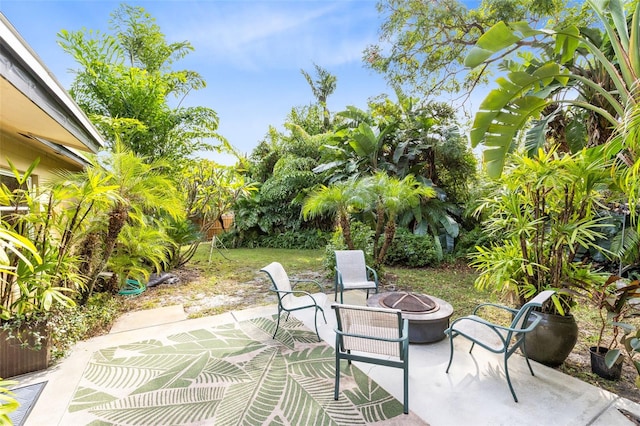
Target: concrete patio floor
column 475, row 391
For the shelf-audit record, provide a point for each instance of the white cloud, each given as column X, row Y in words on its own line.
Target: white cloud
column 255, row 36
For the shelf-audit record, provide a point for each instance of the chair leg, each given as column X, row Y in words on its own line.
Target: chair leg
column 406, row 387
column 277, row 324
column 526, row 357
column 337, row 385
column 506, row 373
column 451, row 351
column 315, row 323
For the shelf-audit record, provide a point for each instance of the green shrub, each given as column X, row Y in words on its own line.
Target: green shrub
column 301, row 239
column 468, row 240
column 71, row 325
column 408, row 249
column 310, row 239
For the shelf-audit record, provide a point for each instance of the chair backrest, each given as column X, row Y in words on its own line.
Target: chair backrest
column 520, row 319
column 280, row 281
column 351, row 265
column 370, row 324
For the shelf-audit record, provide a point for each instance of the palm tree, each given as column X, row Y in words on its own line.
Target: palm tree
column 391, row 197
column 322, row 88
column 341, row 200
column 141, row 188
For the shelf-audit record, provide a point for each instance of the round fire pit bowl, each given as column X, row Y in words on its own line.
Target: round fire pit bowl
column 428, row 316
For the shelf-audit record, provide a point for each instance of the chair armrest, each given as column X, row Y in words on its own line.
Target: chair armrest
column 494, row 305
column 490, row 324
column 374, row 273
column 294, row 292
column 295, row 282
column 338, row 275
column 483, row 321
column 405, row 335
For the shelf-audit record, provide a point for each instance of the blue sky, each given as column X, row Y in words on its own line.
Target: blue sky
column 249, row 52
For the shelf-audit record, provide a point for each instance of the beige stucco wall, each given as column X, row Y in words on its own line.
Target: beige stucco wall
column 22, row 156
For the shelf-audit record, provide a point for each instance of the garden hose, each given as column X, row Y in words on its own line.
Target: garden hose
column 133, row 288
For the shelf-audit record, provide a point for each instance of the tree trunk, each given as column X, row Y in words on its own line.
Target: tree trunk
column 346, row 231
column 389, row 233
column 117, row 219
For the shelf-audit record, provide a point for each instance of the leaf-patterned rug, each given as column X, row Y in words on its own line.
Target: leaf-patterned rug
column 233, row 374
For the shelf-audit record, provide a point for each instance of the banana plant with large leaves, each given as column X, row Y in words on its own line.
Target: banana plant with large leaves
column 523, row 94
column 357, row 149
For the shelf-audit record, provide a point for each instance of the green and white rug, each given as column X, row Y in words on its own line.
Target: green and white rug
column 233, row 374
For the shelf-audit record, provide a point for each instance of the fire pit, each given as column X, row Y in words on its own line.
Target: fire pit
column 428, row 316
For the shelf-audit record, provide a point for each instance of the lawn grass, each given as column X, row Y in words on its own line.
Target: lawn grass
column 453, row 283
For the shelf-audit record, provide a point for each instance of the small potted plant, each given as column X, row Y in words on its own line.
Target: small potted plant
column 612, row 301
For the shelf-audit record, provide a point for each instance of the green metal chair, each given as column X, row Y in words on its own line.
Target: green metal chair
column 353, row 273
column 377, row 331
column 496, row 338
column 290, row 300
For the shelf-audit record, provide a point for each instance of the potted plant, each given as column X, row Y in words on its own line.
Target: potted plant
column 36, row 273
column 612, row 300
column 15, row 334
column 541, row 214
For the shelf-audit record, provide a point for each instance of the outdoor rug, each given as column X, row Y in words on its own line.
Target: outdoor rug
column 233, row 374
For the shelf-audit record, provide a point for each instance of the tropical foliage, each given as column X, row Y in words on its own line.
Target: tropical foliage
column 211, row 191
column 38, row 266
column 141, row 188
column 380, row 198
column 126, row 85
column 282, row 167
column 543, row 214
column 423, row 43
column 605, row 65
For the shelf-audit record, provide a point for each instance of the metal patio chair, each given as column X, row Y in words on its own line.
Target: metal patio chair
column 378, row 331
column 496, row 338
column 353, row 273
column 289, row 299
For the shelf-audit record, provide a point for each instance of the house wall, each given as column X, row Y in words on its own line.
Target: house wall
column 22, row 155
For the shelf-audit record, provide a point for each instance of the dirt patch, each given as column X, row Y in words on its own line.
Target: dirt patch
column 201, row 298
column 578, row 364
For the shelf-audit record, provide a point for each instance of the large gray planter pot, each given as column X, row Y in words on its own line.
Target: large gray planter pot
column 551, row 342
